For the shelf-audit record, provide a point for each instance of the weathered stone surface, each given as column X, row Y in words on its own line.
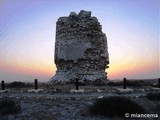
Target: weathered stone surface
column 80, row 49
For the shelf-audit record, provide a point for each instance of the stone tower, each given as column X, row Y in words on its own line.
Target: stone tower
column 80, row 49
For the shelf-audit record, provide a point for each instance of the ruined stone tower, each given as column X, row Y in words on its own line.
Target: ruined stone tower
column 80, row 49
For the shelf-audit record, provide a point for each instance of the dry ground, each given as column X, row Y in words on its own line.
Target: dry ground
column 57, row 103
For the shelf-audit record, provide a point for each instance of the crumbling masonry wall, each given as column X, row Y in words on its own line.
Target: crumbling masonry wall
column 80, row 49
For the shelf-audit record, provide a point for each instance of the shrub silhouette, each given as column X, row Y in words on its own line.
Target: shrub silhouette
column 8, row 106
column 115, row 107
column 16, row 84
column 131, row 83
column 153, row 96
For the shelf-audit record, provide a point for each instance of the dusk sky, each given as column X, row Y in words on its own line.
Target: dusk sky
column 27, row 36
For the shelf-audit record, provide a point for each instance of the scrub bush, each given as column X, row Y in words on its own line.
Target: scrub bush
column 115, row 107
column 8, row 106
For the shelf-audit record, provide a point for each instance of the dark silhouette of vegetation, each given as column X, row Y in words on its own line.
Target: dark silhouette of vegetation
column 153, row 96
column 98, row 83
column 130, row 83
column 82, row 84
column 18, row 84
column 8, row 106
column 115, row 107
column 155, row 85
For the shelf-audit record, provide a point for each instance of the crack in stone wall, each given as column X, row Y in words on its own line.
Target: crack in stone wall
column 81, row 50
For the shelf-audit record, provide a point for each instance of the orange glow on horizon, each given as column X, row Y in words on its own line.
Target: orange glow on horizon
column 130, row 68
column 44, row 69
